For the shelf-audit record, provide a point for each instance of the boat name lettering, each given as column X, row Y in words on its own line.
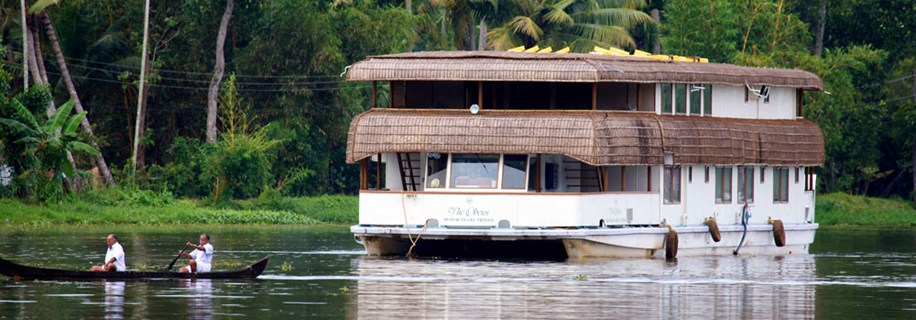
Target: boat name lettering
column 467, row 212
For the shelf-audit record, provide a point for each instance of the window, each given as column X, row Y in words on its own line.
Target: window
column 809, row 179
column 723, row 185
column 666, row 98
column 436, row 168
column 707, row 100
column 690, row 174
column 745, row 184
column 672, row 184
column 696, row 95
column 796, row 175
column 780, row 184
column 514, row 171
column 474, row 171
column 680, row 98
column 763, row 171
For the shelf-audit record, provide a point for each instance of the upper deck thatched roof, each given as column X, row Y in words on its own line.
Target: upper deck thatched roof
column 594, row 137
column 570, row 67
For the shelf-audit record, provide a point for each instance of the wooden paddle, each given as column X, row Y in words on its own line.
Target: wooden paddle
column 176, row 259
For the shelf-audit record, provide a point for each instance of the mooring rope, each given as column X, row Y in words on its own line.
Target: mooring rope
column 413, row 242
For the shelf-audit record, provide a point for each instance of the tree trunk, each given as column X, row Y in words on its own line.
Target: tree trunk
column 71, row 90
column 472, row 43
column 408, row 4
column 821, row 24
column 41, row 78
column 657, row 46
column 914, row 171
column 39, row 56
column 218, row 70
column 25, row 48
column 482, row 37
column 141, row 127
column 33, row 63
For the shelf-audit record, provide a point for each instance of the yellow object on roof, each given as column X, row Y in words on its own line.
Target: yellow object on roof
column 611, row 51
column 640, row 53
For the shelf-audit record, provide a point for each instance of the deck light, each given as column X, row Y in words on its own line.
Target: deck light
column 475, row 109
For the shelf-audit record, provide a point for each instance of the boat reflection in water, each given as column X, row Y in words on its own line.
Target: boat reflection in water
column 702, row 287
column 114, row 299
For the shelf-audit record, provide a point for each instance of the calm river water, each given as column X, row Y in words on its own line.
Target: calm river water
column 321, row 272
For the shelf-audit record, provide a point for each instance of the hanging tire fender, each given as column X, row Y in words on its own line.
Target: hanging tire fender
column 779, row 233
column 713, row 229
column 671, row 244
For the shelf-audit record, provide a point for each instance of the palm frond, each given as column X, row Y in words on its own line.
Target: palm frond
column 16, row 126
column 56, row 120
column 24, row 114
column 502, row 39
column 527, row 27
column 628, row 4
column 84, row 148
column 557, row 13
column 613, row 17
column 606, row 35
column 73, row 123
column 41, row 5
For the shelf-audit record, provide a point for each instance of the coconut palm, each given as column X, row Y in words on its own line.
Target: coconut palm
column 579, row 24
column 38, row 9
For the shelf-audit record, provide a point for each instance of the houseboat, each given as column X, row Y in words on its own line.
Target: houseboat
column 574, row 155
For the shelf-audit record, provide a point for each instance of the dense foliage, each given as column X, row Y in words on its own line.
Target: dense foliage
column 288, row 56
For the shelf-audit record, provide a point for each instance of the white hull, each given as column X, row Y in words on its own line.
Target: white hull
column 628, row 242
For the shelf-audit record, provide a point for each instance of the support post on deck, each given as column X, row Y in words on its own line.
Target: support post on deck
column 378, row 172
column 604, row 178
column 537, row 173
column 364, row 174
column 649, row 183
column 799, row 103
column 595, row 96
column 480, row 94
column 623, row 178
column 374, row 94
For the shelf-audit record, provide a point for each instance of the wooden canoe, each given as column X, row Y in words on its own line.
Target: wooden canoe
column 21, row 272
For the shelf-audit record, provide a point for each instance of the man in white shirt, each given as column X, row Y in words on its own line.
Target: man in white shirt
column 114, row 258
column 201, row 257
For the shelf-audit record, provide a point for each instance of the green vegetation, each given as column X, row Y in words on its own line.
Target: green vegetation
column 845, row 209
column 116, row 206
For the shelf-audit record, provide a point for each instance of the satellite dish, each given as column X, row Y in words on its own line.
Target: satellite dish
column 475, row 109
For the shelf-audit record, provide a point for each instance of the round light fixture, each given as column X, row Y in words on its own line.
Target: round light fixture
column 475, row 109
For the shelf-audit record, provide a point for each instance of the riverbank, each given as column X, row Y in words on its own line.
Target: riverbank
column 154, row 209
column 842, row 209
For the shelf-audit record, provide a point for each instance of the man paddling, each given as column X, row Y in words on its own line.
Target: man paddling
column 114, row 258
column 200, row 257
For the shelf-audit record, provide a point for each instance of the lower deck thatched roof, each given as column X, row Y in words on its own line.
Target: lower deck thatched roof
column 599, row 138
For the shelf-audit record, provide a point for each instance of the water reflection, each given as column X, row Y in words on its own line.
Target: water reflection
column 114, row 300
column 200, row 301
column 691, row 288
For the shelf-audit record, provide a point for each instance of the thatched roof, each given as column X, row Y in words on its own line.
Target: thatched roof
column 570, row 67
column 594, row 137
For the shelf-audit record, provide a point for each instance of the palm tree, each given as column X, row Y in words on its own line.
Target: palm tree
column 39, row 9
column 578, row 24
column 47, row 142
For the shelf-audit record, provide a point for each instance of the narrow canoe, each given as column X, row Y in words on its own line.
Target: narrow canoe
column 21, row 272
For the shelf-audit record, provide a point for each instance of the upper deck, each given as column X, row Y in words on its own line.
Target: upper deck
column 544, row 81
